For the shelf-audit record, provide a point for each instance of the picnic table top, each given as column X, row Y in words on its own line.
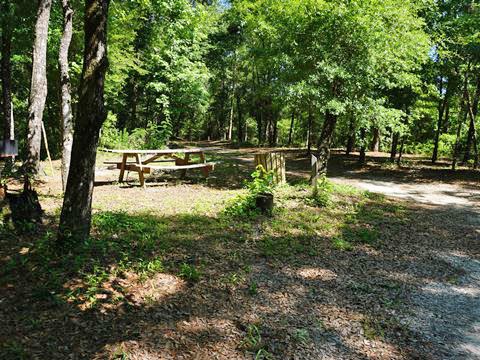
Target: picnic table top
column 159, row 151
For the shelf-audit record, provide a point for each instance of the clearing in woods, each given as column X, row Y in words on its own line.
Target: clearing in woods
column 170, row 274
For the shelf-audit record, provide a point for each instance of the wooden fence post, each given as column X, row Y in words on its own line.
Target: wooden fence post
column 275, row 162
column 314, row 174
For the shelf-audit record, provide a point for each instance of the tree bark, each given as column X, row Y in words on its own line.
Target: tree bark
column 471, row 137
column 351, row 137
column 66, row 98
column 441, row 110
column 6, row 71
column 38, row 91
column 400, row 154
column 75, row 220
column 325, row 141
column 393, row 150
column 240, row 122
column 463, row 106
column 376, row 139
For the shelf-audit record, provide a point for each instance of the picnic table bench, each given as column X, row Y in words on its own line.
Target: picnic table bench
column 144, row 161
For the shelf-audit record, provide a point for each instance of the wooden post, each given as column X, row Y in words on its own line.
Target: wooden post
column 314, row 174
column 275, row 162
column 47, row 149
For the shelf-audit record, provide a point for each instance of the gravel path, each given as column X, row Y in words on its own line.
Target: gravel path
column 447, row 313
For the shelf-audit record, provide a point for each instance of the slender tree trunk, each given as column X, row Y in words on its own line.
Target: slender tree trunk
column 324, row 142
column 471, row 137
column 441, row 110
column 393, row 150
column 230, row 123
column 376, row 139
column 290, row 132
column 400, row 154
column 351, row 137
column 66, row 113
column 6, row 71
column 309, row 131
column 363, row 149
column 240, row 123
column 457, row 140
column 464, row 107
column 75, row 220
column 38, row 91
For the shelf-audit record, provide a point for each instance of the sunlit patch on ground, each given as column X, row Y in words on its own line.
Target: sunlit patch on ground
column 317, row 274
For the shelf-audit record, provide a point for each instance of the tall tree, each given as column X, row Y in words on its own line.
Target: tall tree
column 66, row 111
column 75, row 219
column 6, row 68
column 38, row 90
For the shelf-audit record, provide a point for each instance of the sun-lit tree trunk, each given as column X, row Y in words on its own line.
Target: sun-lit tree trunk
column 325, row 141
column 375, row 146
column 6, row 70
column 463, row 113
column 75, row 220
column 240, row 120
column 66, row 109
column 471, row 136
column 38, row 91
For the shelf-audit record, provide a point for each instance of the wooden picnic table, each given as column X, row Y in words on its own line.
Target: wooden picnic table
column 147, row 160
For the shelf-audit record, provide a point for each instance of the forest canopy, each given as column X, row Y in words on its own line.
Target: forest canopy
column 268, row 72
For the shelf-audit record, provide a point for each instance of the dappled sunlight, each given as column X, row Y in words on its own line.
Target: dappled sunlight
column 309, row 273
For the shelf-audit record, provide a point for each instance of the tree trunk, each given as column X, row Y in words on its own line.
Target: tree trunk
column 464, row 107
column 402, row 146
column 75, row 220
column 393, row 150
column 376, row 140
column 441, row 110
column 351, row 137
column 290, row 132
column 38, row 91
column 240, row 124
column 309, row 131
column 6, row 71
column 325, row 141
column 230, row 123
column 66, row 112
column 471, row 137
column 363, row 149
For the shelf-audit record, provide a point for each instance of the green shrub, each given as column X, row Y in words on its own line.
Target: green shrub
column 189, row 272
column 322, row 193
column 244, row 205
column 153, row 136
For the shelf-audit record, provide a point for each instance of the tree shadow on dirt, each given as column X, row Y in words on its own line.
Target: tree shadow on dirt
column 316, row 301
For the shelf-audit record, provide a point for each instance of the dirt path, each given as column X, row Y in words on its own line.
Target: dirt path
column 447, row 313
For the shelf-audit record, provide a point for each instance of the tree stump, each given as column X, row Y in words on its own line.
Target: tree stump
column 274, row 161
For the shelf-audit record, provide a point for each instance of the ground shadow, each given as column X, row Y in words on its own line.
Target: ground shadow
column 309, row 300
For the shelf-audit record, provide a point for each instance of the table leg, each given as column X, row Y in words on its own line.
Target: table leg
column 203, row 160
column 140, row 171
column 186, row 162
column 122, row 168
